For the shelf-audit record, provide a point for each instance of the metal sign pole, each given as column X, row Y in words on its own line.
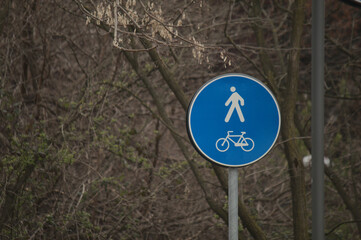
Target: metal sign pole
column 233, row 203
column 318, row 28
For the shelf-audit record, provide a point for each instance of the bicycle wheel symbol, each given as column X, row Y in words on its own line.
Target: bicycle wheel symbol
column 222, row 144
column 247, row 144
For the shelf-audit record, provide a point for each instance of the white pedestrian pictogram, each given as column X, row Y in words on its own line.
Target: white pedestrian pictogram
column 235, row 99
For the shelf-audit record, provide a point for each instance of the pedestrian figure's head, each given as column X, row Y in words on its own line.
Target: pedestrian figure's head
column 233, row 89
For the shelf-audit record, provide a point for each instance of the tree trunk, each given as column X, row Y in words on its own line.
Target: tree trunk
column 289, row 130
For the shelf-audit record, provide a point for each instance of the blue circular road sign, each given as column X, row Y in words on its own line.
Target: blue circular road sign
column 233, row 120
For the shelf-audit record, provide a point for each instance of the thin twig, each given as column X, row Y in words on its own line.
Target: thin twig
column 340, row 224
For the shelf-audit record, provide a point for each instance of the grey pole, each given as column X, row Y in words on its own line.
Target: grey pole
column 232, row 204
column 318, row 28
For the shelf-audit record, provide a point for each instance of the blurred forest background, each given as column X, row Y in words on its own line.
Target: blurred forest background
column 93, row 99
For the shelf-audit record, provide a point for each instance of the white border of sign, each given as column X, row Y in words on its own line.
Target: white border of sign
column 190, row 107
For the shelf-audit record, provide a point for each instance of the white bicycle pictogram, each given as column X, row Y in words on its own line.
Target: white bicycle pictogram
column 247, row 144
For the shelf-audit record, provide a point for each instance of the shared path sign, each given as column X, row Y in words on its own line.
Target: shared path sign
column 233, row 120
